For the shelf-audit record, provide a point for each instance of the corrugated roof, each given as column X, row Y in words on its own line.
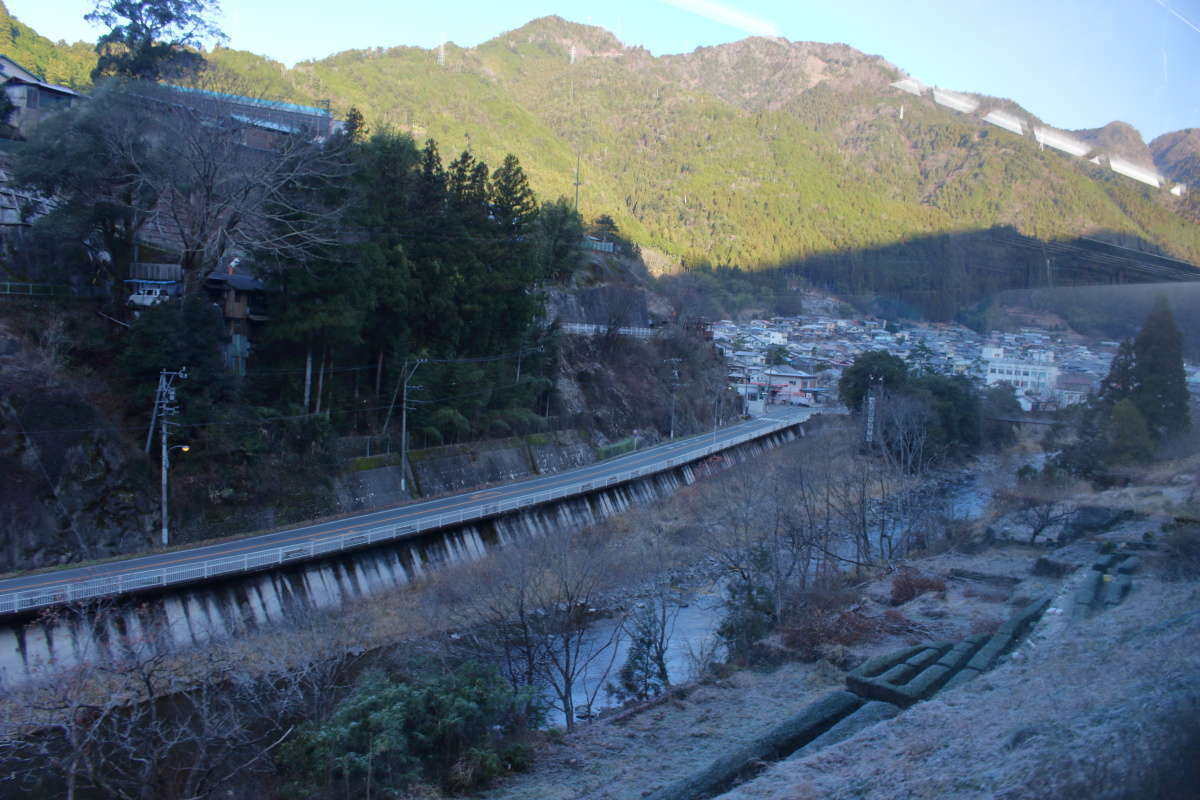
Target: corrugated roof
column 253, row 101
column 267, row 124
column 54, row 87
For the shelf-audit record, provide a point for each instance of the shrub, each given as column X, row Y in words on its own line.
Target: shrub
column 809, row 633
column 907, row 583
column 454, row 730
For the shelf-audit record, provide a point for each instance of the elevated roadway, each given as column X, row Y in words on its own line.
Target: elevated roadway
column 266, row 551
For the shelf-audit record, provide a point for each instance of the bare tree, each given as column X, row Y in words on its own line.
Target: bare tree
column 574, row 572
column 224, row 180
column 650, row 626
column 904, row 422
column 531, row 608
column 198, row 171
column 142, row 721
column 1037, row 505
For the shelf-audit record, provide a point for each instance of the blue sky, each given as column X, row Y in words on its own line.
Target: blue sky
column 1075, row 63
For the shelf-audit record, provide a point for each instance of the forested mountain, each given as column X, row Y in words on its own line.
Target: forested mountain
column 1177, row 154
column 756, row 153
column 1119, row 139
column 61, row 63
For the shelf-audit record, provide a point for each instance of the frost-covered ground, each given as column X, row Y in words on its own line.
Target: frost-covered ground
column 1088, row 712
column 1105, row 708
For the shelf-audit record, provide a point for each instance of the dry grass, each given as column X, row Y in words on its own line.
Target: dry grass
column 810, row 634
column 909, row 583
column 1106, row 708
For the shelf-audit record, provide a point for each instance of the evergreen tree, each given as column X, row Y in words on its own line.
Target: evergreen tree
column 1127, row 436
column 1121, row 381
column 153, row 39
column 355, row 126
column 513, row 203
column 878, row 364
column 556, row 239
column 1160, row 384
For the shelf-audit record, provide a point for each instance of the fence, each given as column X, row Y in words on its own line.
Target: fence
column 13, row 602
column 36, row 289
column 600, row 330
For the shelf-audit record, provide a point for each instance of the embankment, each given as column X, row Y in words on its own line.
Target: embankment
column 31, row 648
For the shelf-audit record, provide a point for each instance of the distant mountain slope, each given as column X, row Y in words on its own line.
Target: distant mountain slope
column 1119, row 139
column 1177, row 154
column 61, row 63
column 755, row 153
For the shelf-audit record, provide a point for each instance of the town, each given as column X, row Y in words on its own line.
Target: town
column 798, row 360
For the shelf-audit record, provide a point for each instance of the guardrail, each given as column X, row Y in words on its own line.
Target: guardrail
column 35, row 289
column 13, row 602
column 598, row 330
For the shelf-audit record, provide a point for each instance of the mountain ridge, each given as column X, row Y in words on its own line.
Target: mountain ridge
column 756, row 153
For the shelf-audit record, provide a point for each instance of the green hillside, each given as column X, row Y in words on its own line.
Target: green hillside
column 61, row 63
column 756, row 153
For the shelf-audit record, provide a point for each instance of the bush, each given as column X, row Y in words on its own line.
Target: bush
column 908, row 583
column 456, row 730
column 810, row 633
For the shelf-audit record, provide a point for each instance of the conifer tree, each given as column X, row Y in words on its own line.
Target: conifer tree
column 1126, row 435
column 513, row 202
column 1160, row 384
column 1121, row 381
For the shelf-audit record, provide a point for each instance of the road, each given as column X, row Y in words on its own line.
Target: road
column 305, row 541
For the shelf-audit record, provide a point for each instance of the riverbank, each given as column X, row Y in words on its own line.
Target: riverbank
column 1102, row 708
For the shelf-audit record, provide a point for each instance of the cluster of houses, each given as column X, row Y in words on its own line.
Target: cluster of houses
column 259, row 124
column 799, row 360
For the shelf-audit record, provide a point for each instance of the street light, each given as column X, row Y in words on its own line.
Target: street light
column 166, row 465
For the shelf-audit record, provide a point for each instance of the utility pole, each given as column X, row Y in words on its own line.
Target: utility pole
column 873, row 384
column 577, row 183
column 402, row 387
column 674, row 386
column 716, row 414
column 164, row 408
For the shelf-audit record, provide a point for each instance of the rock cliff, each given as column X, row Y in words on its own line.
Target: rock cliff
column 74, row 487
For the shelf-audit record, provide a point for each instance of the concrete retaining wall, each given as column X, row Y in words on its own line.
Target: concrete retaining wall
column 35, row 648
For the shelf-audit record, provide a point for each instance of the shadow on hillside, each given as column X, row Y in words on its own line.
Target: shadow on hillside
column 942, row 277
column 1101, row 284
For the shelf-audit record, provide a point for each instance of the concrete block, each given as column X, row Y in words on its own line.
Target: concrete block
column 963, row 676
column 1129, row 565
column 1048, row 567
column 899, row 674
column 924, row 685
column 1116, row 589
column 782, row 740
column 1106, row 563
column 961, row 653
column 1025, row 617
column 1085, row 594
column 869, row 714
column 987, row 655
column 924, row 658
column 880, row 664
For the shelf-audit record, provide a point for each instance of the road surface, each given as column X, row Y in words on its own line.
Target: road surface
column 307, row 541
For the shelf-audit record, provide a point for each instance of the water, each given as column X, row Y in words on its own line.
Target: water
column 696, row 623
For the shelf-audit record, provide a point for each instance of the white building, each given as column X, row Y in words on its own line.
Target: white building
column 1035, row 376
